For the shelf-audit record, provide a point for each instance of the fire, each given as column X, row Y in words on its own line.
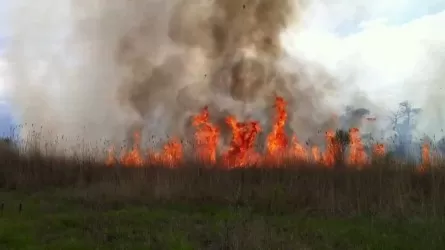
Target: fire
column 426, row 157
column 111, row 159
column 330, row 155
column 357, row 155
column 316, row 154
column 379, row 150
column 298, row 151
column 241, row 151
column 206, row 137
column 277, row 141
column 133, row 158
column 171, row 154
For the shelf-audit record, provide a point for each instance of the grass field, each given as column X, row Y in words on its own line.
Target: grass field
column 54, row 220
column 49, row 203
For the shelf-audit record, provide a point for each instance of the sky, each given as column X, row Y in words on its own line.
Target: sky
column 335, row 30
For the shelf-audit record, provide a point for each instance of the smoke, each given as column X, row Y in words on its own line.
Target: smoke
column 86, row 71
column 396, row 54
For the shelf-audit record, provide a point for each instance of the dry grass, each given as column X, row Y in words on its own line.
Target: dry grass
column 383, row 189
column 77, row 203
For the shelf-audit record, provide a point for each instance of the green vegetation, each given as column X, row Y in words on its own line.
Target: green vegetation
column 55, row 221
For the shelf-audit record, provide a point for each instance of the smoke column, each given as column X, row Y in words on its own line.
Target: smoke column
column 86, row 71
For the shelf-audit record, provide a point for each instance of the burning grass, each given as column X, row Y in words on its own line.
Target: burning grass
column 341, row 148
column 381, row 189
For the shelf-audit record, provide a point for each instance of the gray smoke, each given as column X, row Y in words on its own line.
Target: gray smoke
column 87, row 71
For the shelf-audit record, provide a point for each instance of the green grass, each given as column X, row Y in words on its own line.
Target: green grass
column 56, row 220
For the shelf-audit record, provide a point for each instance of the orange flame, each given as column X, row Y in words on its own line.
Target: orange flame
column 133, row 158
column 298, row 151
column 111, row 160
column 241, row 152
column 316, row 154
column 277, row 140
column 171, row 154
column 426, row 157
column 379, row 150
column 206, row 137
column 357, row 155
column 331, row 149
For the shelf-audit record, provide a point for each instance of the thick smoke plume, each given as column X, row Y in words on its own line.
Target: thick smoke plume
column 87, row 71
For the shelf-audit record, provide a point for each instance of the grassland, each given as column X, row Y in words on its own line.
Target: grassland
column 52, row 203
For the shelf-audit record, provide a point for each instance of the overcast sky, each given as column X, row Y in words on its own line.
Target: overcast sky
column 341, row 18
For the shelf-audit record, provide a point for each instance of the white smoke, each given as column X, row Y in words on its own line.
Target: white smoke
column 386, row 61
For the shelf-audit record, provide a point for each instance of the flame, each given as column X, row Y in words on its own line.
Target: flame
column 316, row 154
column 133, row 158
column 426, row 157
column 171, row 155
column 206, row 137
column 277, row 141
column 297, row 151
column 379, row 150
column 357, row 155
column 241, row 151
column 330, row 154
column 111, row 159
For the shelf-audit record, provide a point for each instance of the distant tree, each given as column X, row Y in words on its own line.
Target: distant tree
column 403, row 123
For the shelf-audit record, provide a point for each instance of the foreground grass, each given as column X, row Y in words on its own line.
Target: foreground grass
column 57, row 203
column 56, row 220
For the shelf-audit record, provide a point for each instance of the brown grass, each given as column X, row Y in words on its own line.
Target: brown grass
column 382, row 189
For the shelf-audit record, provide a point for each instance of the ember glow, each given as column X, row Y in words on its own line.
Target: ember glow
column 426, row 157
column 242, row 151
column 379, row 150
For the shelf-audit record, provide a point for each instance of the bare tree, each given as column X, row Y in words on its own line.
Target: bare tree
column 403, row 123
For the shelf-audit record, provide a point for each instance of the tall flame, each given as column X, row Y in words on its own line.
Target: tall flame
column 241, row 151
column 330, row 154
column 426, row 157
column 316, row 154
column 277, row 141
column 206, row 137
column 357, row 155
